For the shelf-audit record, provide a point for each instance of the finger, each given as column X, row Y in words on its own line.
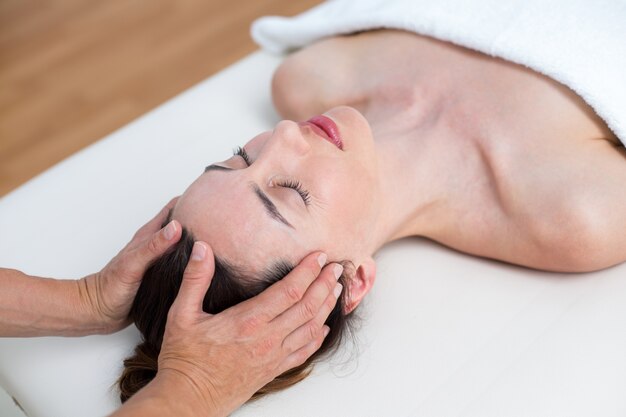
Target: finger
column 196, row 281
column 307, row 332
column 285, row 293
column 300, row 356
column 170, row 205
column 138, row 259
column 157, row 221
column 310, row 305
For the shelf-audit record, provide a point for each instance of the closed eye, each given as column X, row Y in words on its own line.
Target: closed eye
column 296, row 185
column 293, row 184
column 242, row 152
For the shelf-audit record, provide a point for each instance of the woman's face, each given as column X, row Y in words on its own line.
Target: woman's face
column 300, row 193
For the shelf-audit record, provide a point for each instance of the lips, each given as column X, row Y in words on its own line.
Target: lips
column 326, row 128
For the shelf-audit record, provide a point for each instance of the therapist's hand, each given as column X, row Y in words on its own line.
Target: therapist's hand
column 108, row 295
column 215, row 363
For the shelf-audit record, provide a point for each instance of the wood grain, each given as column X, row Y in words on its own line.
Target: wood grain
column 72, row 71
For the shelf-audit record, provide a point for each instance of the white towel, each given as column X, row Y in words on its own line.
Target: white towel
column 580, row 43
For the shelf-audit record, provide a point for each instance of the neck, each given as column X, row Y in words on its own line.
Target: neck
column 411, row 181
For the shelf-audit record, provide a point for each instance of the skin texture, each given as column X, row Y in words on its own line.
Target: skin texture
column 473, row 152
column 110, row 292
column 220, row 207
column 476, row 153
column 211, row 364
column 96, row 304
column 479, row 154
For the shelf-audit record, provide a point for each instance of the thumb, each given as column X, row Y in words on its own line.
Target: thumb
column 196, row 281
column 136, row 260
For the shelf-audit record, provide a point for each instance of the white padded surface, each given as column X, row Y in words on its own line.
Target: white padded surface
column 443, row 334
column 8, row 407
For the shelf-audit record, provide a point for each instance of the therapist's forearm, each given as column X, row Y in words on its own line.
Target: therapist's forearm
column 171, row 395
column 33, row 306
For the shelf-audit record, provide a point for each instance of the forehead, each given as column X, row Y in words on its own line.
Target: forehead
column 226, row 213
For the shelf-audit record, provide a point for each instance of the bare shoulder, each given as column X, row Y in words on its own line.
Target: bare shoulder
column 347, row 70
column 555, row 175
column 559, row 175
column 565, row 209
column 316, row 78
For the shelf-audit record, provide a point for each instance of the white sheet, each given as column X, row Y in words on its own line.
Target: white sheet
column 444, row 334
column 580, row 43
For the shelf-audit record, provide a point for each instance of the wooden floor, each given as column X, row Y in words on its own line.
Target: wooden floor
column 72, row 71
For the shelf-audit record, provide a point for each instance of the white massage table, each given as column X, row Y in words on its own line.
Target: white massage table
column 443, row 334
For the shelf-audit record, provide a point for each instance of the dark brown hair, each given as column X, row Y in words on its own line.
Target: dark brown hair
column 230, row 286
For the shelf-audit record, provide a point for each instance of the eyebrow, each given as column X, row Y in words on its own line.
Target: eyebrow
column 213, row 167
column 269, row 206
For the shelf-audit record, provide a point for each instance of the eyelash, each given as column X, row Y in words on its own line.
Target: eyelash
column 296, row 185
column 293, row 184
column 242, row 152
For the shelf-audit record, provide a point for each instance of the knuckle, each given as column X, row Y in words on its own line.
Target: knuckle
column 173, row 324
column 330, row 280
column 331, row 302
column 293, row 293
column 302, row 356
column 139, row 233
column 320, row 340
column 122, row 269
column 169, row 205
column 154, row 246
column 312, row 331
column 309, row 310
column 268, row 345
column 117, row 266
column 172, row 315
column 264, row 347
column 192, row 275
column 196, row 271
column 249, row 325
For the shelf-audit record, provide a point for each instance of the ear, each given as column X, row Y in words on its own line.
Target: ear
column 360, row 284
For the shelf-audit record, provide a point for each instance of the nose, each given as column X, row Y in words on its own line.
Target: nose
column 288, row 134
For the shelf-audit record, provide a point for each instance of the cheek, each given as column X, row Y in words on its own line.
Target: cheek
column 350, row 201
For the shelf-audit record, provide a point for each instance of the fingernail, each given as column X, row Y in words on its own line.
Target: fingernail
column 198, row 252
column 326, row 330
column 322, row 259
column 337, row 270
column 169, row 230
column 338, row 289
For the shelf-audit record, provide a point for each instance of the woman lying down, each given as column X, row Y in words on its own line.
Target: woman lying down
column 389, row 134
